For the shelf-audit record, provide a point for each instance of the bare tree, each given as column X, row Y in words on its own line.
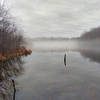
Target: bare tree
column 11, row 48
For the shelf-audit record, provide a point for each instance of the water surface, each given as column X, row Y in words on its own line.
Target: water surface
column 46, row 77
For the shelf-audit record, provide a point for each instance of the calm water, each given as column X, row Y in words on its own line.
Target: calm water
column 46, row 78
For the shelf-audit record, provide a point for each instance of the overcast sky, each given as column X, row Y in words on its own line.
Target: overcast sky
column 56, row 18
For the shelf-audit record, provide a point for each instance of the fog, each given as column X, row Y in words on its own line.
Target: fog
column 54, row 45
column 63, row 45
column 88, row 49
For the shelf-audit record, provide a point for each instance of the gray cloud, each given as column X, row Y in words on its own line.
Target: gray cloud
column 57, row 18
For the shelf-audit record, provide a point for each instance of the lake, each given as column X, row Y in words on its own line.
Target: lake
column 46, row 78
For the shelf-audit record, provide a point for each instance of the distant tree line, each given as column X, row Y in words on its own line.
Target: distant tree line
column 93, row 34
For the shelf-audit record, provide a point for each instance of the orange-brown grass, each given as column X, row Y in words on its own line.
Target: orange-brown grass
column 15, row 53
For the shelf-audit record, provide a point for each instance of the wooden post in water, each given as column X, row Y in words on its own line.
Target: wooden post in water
column 14, row 90
column 65, row 59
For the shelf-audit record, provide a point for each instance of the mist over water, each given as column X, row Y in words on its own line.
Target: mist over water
column 89, row 49
column 46, row 77
column 63, row 45
column 53, row 45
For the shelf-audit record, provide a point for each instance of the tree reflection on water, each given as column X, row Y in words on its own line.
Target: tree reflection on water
column 91, row 55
